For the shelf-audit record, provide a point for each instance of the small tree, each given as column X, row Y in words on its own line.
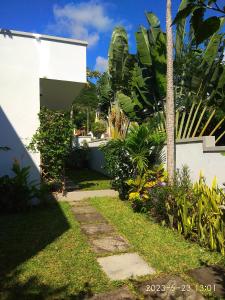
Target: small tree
column 53, row 140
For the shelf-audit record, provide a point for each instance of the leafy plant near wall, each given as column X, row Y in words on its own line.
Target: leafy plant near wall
column 53, row 140
column 199, row 213
column 131, row 157
column 98, row 128
column 196, row 210
column 16, row 191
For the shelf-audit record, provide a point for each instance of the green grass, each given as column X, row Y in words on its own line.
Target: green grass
column 162, row 248
column 44, row 255
column 88, row 179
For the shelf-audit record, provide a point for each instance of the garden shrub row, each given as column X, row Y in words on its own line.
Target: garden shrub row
column 196, row 210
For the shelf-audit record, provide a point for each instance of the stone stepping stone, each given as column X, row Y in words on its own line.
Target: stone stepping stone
column 124, row 266
column 168, row 288
column 109, row 244
column 119, row 294
column 211, row 278
column 96, row 229
column 84, row 209
column 90, row 218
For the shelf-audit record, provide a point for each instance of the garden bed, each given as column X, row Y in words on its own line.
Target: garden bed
column 163, row 248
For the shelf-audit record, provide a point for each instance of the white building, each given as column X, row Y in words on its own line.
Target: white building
column 35, row 70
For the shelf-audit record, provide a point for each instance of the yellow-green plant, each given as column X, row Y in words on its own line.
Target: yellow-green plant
column 200, row 214
column 210, row 221
column 140, row 185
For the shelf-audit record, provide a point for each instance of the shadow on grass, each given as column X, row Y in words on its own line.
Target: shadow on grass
column 22, row 236
column 88, row 179
column 33, row 289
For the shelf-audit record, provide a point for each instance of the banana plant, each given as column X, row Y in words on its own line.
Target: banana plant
column 138, row 82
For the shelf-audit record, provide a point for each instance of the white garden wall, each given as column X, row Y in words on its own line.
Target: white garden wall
column 199, row 154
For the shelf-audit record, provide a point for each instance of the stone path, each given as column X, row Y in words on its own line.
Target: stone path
column 119, row 262
column 80, row 195
column 104, row 240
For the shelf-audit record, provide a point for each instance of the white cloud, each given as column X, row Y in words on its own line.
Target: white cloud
column 85, row 20
column 101, row 64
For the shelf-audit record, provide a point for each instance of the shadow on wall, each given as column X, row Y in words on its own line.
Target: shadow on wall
column 10, row 138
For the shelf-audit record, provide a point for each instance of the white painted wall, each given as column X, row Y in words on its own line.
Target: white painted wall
column 199, row 154
column 25, row 58
column 77, row 141
column 202, row 155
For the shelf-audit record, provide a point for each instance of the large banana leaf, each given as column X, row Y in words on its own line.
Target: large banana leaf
column 118, row 52
column 180, row 31
column 157, row 41
column 143, row 47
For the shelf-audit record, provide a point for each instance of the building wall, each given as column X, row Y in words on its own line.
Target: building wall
column 96, row 156
column 199, row 154
column 24, row 59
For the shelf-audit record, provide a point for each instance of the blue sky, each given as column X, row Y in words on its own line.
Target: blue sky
column 90, row 20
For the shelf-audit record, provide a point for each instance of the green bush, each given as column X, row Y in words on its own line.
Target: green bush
column 53, row 141
column 131, row 157
column 98, row 128
column 78, row 157
column 16, row 192
column 118, row 165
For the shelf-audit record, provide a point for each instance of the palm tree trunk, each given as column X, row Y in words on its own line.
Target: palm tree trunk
column 170, row 110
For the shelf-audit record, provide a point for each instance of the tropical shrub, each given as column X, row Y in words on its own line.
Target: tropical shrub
column 140, row 187
column 53, row 140
column 133, row 156
column 78, row 157
column 198, row 212
column 98, row 128
column 118, row 165
column 194, row 210
column 144, row 145
column 16, row 192
column 210, row 214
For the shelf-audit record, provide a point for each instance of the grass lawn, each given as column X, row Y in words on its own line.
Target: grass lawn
column 88, row 179
column 43, row 255
column 162, row 248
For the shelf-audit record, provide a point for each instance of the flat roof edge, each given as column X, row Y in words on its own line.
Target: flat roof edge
column 8, row 32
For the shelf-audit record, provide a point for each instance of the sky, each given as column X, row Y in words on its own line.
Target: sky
column 88, row 20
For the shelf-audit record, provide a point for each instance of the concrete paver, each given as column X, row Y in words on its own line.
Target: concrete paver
column 97, row 229
column 124, row 266
column 109, row 244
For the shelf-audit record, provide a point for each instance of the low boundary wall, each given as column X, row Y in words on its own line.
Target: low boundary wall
column 199, row 154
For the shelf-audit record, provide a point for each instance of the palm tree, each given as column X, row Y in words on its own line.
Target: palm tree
column 170, row 110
